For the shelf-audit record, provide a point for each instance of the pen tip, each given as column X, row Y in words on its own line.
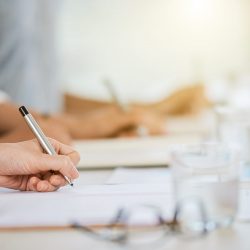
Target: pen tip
column 71, row 184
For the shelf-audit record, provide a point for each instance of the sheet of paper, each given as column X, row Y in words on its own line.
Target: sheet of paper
column 90, row 205
column 140, row 175
column 148, row 151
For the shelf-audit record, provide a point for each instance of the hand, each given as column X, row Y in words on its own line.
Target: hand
column 24, row 166
column 153, row 124
column 144, row 124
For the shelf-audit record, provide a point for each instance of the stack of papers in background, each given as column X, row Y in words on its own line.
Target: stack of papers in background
column 147, row 151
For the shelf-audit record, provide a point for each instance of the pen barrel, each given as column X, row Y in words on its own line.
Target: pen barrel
column 39, row 134
column 42, row 139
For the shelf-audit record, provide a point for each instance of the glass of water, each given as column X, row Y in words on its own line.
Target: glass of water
column 208, row 174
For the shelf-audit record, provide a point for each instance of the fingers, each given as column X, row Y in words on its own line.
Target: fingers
column 57, row 181
column 60, row 163
column 52, row 183
column 45, row 186
column 65, row 162
column 32, row 183
column 63, row 149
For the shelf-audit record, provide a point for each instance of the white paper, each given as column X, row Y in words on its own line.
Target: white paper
column 90, row 205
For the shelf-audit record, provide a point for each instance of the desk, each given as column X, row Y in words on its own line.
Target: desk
column 230, row 239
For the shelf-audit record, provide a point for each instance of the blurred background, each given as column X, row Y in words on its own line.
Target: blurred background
column 153, row 47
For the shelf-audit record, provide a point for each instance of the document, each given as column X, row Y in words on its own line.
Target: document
column 88, row 205
column 130, row 152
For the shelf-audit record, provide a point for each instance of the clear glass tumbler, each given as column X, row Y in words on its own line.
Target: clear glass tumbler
column 208, row 174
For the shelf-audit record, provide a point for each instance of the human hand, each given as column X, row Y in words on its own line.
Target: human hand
column 24, row 166
column 144, row 123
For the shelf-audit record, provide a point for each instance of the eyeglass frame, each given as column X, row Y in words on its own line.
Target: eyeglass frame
column 170, row 227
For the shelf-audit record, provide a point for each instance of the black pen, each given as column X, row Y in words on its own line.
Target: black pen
column 37, row 131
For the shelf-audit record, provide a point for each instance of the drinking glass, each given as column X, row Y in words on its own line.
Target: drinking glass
column 206, row 173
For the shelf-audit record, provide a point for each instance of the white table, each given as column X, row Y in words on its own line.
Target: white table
column 236, row 238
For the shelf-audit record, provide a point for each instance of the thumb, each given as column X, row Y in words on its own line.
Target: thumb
column 60, row 163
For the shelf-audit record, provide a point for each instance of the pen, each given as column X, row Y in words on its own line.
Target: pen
column 37, row 131
column 141, row 130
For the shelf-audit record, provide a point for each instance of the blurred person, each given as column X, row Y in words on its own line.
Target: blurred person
column 28, row 75
column 24, row 166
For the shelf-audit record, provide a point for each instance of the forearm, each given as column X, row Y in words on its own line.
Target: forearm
column 10, row 117
column 14, row 129
column 99, row 124
column 78, row 105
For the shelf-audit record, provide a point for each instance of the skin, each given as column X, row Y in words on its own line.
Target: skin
column 14, row 129
column 187, row 100
column 24, row 166
column 110, row 122
column 89, row 119
column 101, row 123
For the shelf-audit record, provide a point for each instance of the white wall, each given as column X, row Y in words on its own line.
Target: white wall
column 147, row 47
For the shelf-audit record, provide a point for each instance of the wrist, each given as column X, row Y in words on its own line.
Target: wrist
column 5, row 158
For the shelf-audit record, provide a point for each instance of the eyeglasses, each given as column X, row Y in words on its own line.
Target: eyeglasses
column 146, row 224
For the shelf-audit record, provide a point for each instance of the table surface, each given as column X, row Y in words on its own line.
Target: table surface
column 236, row 237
